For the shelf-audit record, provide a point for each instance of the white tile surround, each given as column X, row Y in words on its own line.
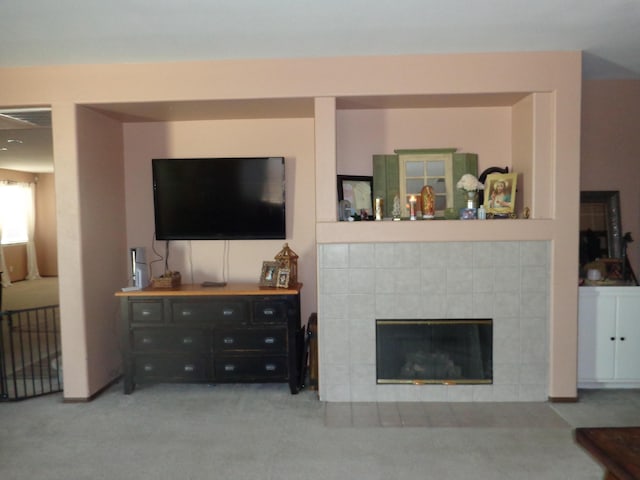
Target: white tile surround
column 506, row 281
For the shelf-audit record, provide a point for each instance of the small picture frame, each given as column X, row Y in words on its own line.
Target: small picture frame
column 283, row 278
column 500, row 194
column 358, row 191
column 468, row 214
column 269, row 274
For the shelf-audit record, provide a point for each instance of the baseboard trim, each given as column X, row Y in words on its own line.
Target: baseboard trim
column 91, row 397
column 563, row 399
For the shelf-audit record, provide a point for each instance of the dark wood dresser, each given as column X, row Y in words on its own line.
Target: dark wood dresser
column 239, row 333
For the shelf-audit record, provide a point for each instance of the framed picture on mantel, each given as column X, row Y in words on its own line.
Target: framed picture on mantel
column 358, row 191
column 500, row 194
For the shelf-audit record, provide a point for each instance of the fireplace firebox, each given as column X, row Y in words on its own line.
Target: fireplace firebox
column 443, row 351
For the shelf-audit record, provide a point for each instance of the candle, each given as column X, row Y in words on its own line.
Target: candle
column 412, row 207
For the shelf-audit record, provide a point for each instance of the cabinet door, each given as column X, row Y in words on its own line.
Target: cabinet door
column 628, row 338
column 596, row 337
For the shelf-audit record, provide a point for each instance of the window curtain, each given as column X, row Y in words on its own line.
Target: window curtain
column 32, row 259
column 6, row 280
column 23, row 199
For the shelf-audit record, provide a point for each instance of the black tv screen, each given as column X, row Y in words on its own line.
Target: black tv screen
column 219, row 198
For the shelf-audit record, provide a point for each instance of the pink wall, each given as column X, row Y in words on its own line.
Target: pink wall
column 46, row 229
column 488, row 133
column 203, row 260
column 610, row 149
column 91, row 227
column 90, row 174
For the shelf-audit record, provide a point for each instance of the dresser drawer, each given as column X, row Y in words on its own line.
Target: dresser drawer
column 269, row 311
column 169, row 339
column 146, row 311
column 170, row 367
column 251, row 368
column 264, row 340
column 219, row 312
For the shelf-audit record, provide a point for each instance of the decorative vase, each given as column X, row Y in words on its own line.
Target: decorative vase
column 472, row 198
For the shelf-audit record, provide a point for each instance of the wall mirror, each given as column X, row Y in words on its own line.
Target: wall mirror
column 600, row 225
column 601, row 237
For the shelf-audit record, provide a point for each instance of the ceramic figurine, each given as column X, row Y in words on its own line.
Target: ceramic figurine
column 428, row 201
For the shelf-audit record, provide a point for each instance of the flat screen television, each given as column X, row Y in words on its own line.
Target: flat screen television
column 219, row 198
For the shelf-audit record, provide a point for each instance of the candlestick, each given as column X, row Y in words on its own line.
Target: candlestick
column 412, row 208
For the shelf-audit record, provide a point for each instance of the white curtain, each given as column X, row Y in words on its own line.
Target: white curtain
column 18, row 199
column 6, row 280
column 32, row 259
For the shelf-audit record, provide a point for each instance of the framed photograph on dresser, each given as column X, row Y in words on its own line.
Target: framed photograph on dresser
column 283, row 278
column 269, row 274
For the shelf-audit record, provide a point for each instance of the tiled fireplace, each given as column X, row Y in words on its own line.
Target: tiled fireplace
column 505, row 281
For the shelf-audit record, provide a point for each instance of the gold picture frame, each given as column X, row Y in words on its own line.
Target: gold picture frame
column 269, row 274
column 500, row 194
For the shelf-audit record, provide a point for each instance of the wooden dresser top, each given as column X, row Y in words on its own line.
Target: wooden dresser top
column 190, row 289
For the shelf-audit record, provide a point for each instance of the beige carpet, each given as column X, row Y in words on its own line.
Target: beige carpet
column 30, row 293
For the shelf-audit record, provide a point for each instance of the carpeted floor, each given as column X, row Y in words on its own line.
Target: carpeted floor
column 262, row 432
column 30, row 293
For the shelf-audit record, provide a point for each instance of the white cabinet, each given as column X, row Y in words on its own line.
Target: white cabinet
column 609, row 337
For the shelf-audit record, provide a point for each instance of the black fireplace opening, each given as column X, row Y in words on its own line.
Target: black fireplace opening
column 443, row 351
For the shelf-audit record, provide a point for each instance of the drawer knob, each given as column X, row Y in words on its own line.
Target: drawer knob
column 270, row 367
column 228, row 340
column 189, row 367
column 269, row 340
column 229, row 367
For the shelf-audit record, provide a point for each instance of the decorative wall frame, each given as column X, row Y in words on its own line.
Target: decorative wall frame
column 500, row 194
column 358, row 190
column 269, row 274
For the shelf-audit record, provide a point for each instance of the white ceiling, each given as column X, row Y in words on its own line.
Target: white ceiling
column 42, row 32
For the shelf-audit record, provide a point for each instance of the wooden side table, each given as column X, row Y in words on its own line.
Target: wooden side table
column 616, row 448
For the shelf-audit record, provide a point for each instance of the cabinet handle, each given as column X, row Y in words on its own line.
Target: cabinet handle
column 227, row 311
column 229, row 367
column 185, row 313
column 269, row 311
column 269, row 340
column 612, row 338
column 146, row 313
column 270, row 367
column 148, row 367
column 147, row 340
column 622, row 339
column 228, row 340
column 187, row 340
column 189, row 367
